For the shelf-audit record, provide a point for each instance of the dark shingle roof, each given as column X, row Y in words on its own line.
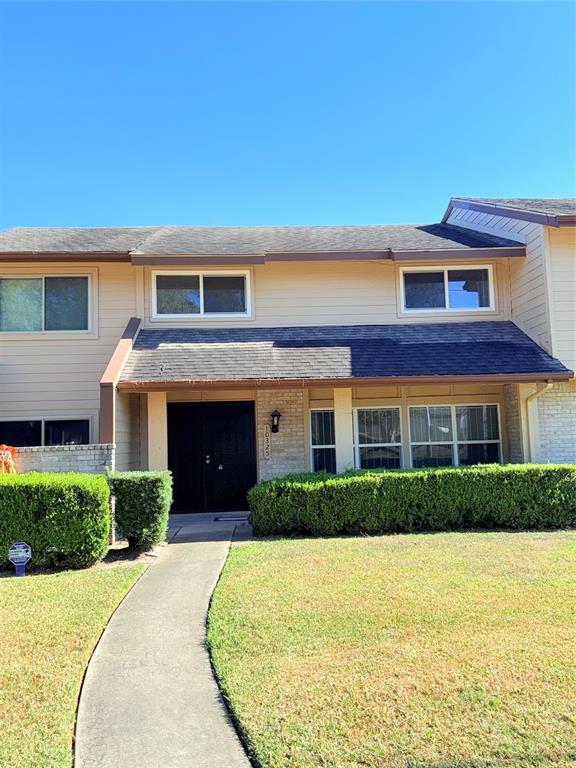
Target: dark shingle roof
column 332, row 352
column 73, row 239
column 561, row 206
column 247, row 240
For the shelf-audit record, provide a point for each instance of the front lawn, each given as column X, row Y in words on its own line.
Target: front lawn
column 452, row 650
column 49, row 625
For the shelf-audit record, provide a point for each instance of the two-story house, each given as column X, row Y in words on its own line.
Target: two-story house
column 234, row 354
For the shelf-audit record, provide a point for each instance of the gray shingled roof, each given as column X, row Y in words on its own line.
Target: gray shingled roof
column 331, row 352
column 73, row 239
column 561, row 206
column 247, row 240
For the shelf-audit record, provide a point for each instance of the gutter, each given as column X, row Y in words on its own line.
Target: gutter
column 165, row 385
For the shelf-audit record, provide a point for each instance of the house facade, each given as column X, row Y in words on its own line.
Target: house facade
column 230, row 355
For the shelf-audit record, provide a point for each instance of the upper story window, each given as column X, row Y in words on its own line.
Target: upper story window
column 200, row 294
column 445, row 289
column 59, row 303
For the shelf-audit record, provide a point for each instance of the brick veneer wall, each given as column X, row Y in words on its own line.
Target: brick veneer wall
column 288, row 450
column 557, row 423
column 93, row 459
column 513, row 424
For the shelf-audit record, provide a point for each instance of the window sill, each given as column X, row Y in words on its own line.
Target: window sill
column 447, row 312
column 193, row 319
column 48, row 335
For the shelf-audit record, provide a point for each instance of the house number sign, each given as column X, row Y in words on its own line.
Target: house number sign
column 267, row 442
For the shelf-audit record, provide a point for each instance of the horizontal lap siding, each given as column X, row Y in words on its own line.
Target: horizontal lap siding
column 562, row 246
column 127, row 432
column 331, row 293
column 528, row 277
column 46, row 376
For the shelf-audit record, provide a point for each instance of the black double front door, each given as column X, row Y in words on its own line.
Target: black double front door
column 212, row 455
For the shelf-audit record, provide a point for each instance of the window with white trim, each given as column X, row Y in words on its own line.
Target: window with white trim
column 454, row 435
column 377, row 438
column 47, row 303
column 22, row 433
column 445, row 289
column 322, row 434
column 200, row 294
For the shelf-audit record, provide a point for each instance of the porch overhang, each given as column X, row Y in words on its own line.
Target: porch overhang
column 335, row 356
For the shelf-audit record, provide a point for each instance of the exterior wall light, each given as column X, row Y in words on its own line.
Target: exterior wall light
column 275, row 417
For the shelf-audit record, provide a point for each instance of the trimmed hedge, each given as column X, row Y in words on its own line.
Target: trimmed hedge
column 64, row 516
column 376, row 502
column 143, row 501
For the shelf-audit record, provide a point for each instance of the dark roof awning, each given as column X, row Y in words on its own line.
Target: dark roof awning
column 336, row 355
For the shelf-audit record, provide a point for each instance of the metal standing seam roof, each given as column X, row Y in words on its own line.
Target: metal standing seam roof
column 333, row 352
column 247, row 240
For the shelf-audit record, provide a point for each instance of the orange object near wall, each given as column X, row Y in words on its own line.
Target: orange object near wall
column 7, row 455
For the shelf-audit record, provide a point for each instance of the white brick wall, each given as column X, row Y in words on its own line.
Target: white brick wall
column 93, row 459
column 288, row 451
column 513, row 424
column 557, row 423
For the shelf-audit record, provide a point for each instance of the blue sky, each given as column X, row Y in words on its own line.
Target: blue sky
column 280, row 113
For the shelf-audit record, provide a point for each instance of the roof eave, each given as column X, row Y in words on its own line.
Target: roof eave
column 546, row 219
column 348, row 381
column 159, row 260
column 64, row 256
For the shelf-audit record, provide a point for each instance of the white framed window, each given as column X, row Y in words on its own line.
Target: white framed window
column 45, row 303
column 447, row 289
column 201, row 294
column 454, row 435
column 378, row 438
column 65, row 430
column 323, row 440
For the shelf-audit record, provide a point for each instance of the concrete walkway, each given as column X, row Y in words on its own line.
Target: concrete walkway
column 149, row 698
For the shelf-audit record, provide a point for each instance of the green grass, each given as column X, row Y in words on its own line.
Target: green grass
column 452, row 650
column 49, row 625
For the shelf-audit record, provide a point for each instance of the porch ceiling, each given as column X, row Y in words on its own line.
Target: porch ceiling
column 336, row 355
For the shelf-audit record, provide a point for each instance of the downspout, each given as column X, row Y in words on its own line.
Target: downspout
column 531, row 417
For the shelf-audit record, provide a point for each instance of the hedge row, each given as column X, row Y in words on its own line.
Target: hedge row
column 142, row 504
column 65, row 517
column 376, row 502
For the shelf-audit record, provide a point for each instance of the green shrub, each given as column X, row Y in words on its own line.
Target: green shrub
column 65, row 517
column 375, row 502
column 142, row 506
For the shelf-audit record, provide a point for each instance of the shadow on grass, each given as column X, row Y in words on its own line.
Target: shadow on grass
column 118, row 554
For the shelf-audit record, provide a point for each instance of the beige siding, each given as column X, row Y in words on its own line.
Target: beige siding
column 333, row 293
column 50, row 374
column 529, row 283
column 562, row 255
